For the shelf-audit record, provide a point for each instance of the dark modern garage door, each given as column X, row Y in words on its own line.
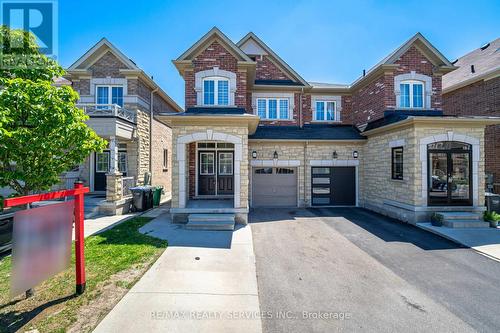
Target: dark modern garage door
column 274, row 187
column 333, row 186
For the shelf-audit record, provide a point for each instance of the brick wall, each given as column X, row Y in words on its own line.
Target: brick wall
column 267, row 70
column 215, row 55
column 481, row 98
column 107, row 65
column 371, row 99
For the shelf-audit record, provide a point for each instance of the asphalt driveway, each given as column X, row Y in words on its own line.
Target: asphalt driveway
column 323, row 270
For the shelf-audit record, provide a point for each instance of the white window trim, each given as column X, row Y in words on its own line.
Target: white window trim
column 411, row 84
column 216, row 80
column 413, row 76
column 278, row 99
column 327, row 98
column 110, row 92
column 214, row 72
column 325, row 102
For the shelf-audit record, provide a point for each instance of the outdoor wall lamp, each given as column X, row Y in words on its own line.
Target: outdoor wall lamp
column 335, row 155
column 275, row 155
column 355, row 154
column 254, row 154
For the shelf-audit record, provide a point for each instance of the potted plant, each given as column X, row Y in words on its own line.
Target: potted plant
column 492, row 217
column 437, row 219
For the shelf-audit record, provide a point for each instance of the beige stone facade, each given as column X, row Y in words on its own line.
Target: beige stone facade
column 162, row 174
column 406, row 199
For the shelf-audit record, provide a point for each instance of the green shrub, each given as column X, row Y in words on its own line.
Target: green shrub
column 491, row 216
column 437, row 219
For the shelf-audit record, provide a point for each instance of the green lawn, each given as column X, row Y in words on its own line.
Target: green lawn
column 115, row 260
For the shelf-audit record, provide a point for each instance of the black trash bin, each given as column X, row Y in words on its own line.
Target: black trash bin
column 138, row 198
column 148, row 196
column 493, row 202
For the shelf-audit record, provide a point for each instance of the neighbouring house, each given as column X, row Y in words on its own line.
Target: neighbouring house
column 256, row 134
column 474, row 89
column 121, row 101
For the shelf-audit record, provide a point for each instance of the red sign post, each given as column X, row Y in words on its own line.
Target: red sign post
column 78, row 193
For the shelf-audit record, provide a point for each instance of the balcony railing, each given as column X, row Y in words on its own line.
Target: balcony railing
column 108, row 110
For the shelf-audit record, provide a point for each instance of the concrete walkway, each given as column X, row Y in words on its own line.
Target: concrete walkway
column 483, row 240
column 99, row 224
column 205, row 281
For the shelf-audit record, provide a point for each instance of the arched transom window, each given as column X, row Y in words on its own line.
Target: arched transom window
column 215, row 90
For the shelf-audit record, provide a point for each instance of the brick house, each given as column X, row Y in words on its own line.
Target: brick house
column 474, row 89
column 256, row 134
column 121, row 101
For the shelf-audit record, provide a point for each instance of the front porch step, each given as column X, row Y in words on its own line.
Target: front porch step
column 210, row 222
column 460, row 216
column 465, row 224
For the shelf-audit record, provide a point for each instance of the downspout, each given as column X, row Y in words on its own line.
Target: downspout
column 151, row 135
column 305, row 173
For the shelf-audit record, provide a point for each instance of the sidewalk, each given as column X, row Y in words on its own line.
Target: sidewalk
column 205, row 281
column 483, row 240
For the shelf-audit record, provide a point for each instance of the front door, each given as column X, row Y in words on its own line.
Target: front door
column 215, row 173
column 450, row 173
column 102, row 165
column 101, row 168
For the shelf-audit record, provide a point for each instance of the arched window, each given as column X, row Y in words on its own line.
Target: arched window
column 215, row 90
column 412, row 94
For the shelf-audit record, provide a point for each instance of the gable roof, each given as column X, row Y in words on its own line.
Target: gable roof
column 97, row 51
column 100, row 49
column 281, row 62
column 486, row 62
column 423, row 45
column 213, row 33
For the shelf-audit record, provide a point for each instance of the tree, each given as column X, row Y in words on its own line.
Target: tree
column 42, row 132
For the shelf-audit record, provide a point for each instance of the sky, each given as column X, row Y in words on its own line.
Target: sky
column 325, row 41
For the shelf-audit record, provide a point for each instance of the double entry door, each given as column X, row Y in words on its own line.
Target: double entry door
column 215, row 172
column 450, row 174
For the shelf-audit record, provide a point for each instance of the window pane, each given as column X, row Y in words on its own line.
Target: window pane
column 321, row 190
column 320, row 111
column 207, row 164
column 321, row 201
column 122, row 162
column 284, row 171
column 321, row 180
column 273, row 109
column 405, row 95
column 330, row 111
column 226, row 163
column 102, row 162
column 223, row 92
column 261, row 108
column 321, row 171
column 117, row 96
column 208, row 92
column 102, row 95
column 397, row 163
column 266, row 171
column 283, row 109
column 418, row 97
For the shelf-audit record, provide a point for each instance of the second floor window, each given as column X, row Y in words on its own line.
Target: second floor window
column 412, row 94
column 273, row 108
column 215, row 91
column 109, row 95
column 325, row 111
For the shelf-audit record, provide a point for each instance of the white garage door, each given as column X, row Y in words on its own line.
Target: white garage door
column 274, row 187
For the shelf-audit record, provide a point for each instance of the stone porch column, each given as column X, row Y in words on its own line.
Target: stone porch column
column 114, row 176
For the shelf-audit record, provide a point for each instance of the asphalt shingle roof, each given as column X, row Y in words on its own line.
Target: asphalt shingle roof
column 484, row 60
column 308, row 132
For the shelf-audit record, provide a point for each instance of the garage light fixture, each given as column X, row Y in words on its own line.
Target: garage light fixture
column 355, row 154
column 254, row 154
column 335, row 155
column 275, row 155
